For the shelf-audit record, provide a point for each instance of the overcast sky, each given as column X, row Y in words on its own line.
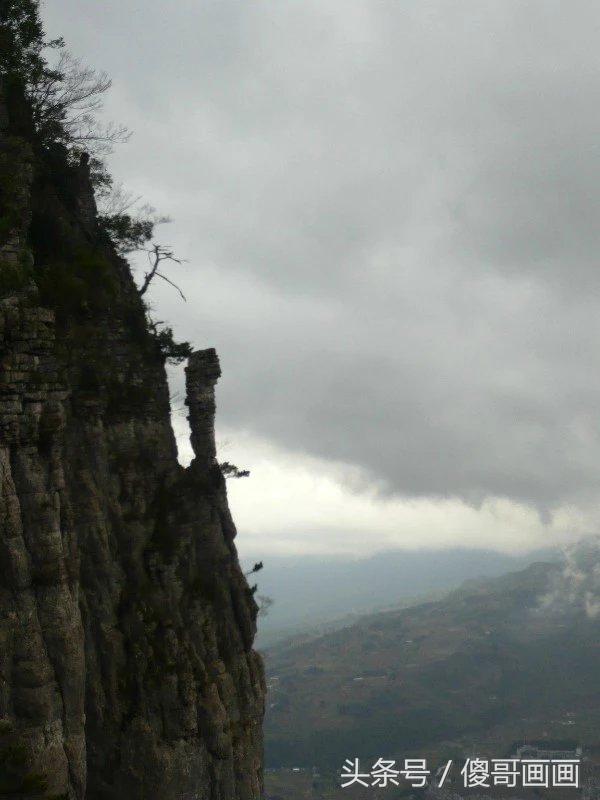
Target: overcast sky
column 390, row 210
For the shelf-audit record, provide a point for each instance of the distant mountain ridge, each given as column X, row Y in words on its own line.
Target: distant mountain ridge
column 313, row 592
column 484, row 667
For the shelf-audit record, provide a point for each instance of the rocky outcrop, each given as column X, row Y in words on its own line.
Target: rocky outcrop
column 126, row 624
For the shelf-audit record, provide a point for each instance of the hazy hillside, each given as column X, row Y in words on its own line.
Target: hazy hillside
column 309, row 591
column 485, row 665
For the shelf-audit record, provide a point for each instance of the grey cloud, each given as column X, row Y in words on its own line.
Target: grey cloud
column 391, row 211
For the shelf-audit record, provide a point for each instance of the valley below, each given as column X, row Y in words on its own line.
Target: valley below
column 494, row 663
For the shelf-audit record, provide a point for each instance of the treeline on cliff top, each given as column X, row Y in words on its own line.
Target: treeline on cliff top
column 54, row 101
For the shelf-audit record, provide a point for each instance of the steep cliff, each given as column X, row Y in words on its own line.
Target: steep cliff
column 126, row 624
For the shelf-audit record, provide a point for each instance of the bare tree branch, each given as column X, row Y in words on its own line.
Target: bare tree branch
column 64, row 100
column 156, row 256
column 174, row 285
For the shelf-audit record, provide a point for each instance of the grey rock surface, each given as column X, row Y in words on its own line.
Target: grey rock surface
column 126, row 623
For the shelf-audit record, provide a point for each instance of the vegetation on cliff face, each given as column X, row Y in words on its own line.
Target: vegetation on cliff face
column 126, row 623
column 55, row 107
column 22, row 41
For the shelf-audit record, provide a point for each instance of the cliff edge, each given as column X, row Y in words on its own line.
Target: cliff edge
column 126, row 624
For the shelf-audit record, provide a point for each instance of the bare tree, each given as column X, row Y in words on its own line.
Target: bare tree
column 64, row 101
column 157, row 255
column 114, row 199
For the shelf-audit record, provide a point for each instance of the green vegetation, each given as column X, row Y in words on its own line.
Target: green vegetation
column 172, row 351
column 54, row 106
column 231, row 471
column 22, row 42
column 14, row 161
column 127, row 232
column 84, row 284
column 14, row 158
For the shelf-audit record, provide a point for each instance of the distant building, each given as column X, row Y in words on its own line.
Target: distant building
column 546, row 748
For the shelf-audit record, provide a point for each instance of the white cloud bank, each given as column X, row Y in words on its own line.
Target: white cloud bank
column 294, row 504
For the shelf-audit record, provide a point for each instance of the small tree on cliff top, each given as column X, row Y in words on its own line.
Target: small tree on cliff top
column 64, row 99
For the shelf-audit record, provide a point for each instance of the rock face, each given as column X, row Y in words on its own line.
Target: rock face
column 126, row 624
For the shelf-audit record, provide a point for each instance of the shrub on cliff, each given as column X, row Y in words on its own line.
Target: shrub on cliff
column 22, row 41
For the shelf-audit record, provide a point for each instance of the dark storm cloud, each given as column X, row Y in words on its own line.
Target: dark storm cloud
column 392, row 214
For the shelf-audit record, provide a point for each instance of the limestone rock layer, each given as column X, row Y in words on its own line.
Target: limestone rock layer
column 126, row 623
